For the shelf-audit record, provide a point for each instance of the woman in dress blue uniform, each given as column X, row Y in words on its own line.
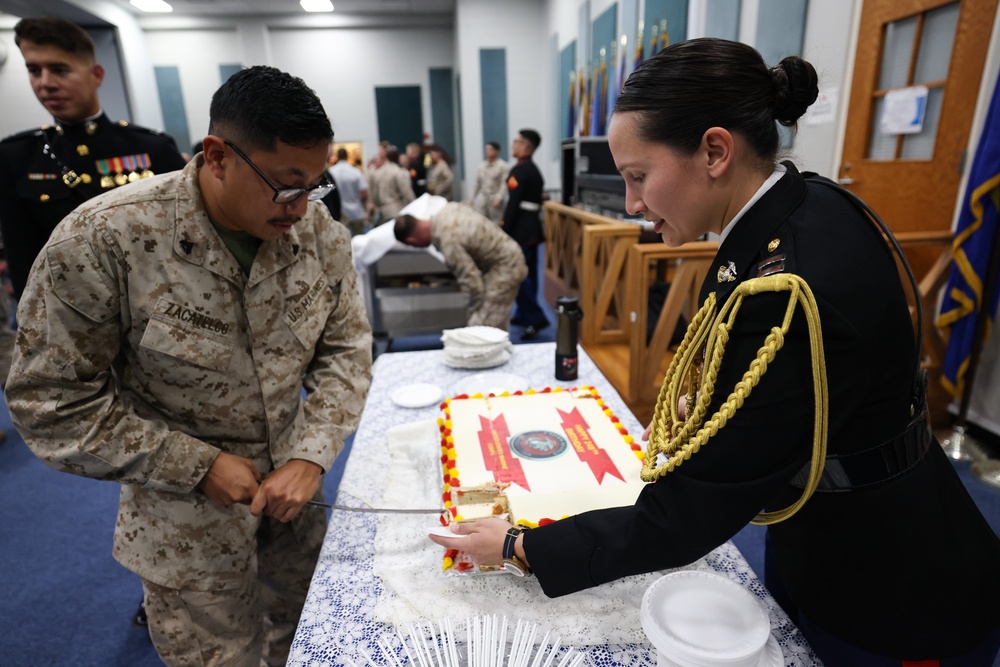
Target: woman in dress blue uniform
column 860, row 564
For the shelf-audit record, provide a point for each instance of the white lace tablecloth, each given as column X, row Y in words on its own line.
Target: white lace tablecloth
column 339, row 623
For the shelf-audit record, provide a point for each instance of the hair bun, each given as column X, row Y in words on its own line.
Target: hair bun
column 795, row 88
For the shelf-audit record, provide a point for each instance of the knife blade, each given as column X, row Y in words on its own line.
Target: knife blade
column 374, row 510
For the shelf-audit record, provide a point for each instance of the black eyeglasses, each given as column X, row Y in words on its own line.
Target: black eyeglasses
column 287, row 195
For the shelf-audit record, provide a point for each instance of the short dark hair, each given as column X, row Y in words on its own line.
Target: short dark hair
column 403, row 229
column 341, row 154
column 494, row 144
column 392, row 154
column 533, row 138
column 259, row 106
column 58, row 32
column 690, row 86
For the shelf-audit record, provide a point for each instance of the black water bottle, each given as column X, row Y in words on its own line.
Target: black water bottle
column 568, row 316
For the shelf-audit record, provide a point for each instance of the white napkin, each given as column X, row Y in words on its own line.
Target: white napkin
column 476, row 347
column 424, row 207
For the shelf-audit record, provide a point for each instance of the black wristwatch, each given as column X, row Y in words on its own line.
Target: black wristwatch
column 511, row 563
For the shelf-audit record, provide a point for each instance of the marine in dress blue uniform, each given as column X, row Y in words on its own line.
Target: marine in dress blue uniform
column 522, row 220
column 47, row 172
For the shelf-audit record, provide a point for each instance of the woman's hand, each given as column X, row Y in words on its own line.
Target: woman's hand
column 681, row 412
column 484, row 543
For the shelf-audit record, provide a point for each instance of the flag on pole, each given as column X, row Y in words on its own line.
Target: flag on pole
column 639, row 46
column 571, row 124
column 585, row 104
column 653, row 40
column 602, row 105
column 617, row 79
column 975, row 239
column 595, row 103
column 664, row 36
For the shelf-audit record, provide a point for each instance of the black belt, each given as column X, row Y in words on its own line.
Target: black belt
column 847, row 472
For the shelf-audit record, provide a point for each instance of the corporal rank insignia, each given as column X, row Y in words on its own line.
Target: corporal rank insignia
column 771, row 265
column 727, row 274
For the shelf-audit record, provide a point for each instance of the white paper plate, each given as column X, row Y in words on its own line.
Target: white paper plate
column 697, row 617
column 490, row 383
column 443, row 531
column 771, row 657
column 418, row 395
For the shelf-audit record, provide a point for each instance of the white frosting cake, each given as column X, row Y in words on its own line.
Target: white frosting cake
column 539, row 456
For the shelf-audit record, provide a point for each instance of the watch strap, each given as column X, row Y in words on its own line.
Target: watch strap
column 509, row 541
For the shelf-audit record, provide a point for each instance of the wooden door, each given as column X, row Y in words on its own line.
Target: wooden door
column 911, row 180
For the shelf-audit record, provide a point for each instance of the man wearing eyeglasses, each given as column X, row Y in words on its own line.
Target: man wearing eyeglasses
column 199, row 338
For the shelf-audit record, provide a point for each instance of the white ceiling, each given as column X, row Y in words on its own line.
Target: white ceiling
column 215, row 8
column 195, row 10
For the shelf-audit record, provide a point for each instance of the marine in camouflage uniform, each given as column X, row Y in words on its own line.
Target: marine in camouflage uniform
column 147, row 353
column 491, row 179
column 486, row 261
column 389, row 190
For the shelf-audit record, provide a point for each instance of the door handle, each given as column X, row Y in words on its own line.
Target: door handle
column 846, row 180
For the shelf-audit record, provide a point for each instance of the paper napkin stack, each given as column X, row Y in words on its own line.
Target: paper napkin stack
column 476, row 347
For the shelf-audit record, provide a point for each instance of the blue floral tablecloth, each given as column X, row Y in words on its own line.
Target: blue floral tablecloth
column 338, row 627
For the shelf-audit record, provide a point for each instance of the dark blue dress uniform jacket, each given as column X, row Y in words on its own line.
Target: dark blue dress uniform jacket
column 907, row 568
column 33, row 196
column 524, row 184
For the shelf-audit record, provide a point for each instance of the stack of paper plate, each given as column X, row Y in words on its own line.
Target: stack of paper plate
column 476, row 347
column 701, row 619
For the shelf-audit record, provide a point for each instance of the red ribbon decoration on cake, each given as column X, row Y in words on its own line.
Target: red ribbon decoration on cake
column 493, row 440
column 578, row 432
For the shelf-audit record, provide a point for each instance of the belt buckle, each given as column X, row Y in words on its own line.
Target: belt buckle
column 71, row 179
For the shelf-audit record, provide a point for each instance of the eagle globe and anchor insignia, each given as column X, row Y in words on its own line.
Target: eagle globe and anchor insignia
column 538, row 445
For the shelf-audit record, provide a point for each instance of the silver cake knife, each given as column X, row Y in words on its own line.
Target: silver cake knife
column 374, row 510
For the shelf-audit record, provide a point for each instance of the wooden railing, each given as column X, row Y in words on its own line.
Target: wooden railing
column 604, row 292
column 585, row 257
column 564, row 227
column 934, row 343
column 599, row 260
column 686, row 268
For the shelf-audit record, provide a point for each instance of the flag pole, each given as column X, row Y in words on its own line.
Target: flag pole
column 986, row 471
column 960, row 446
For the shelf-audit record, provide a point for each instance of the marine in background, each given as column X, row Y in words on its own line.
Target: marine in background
column 487, row 263
column 488, row 190
column 48, row 171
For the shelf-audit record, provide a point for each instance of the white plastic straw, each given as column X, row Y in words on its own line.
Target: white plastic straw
column 552, row 653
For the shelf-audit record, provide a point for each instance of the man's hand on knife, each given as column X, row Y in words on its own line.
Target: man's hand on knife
column 231, row 479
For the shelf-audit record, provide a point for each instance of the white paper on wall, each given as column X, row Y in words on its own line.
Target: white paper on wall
column 824, row 109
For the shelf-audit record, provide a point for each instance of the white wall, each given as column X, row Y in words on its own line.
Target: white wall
column 20, row 108
column 345, row 66
column 144, row 98
column 198, row 66
column 829, row 44
column 519, row 27
column 342, row 65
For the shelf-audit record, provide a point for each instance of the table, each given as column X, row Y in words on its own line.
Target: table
column 338, row 626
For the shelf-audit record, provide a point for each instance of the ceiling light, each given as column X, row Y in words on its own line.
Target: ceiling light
column 152, row 5
column 316, row 5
